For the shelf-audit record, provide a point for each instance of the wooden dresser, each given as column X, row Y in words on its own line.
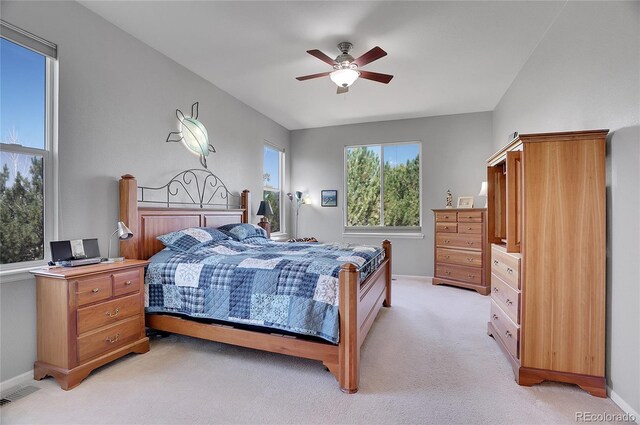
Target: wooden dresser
column 88, row 316
column 460, row 248
column 546, row 224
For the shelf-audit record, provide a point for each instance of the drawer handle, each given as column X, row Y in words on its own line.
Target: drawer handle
column 496, row 290
column 470, row 242
column 446, row 216
column 470, row 260
column 508, row 334
column 509, row 270
column 446, row 241
column 448, row 273
column 469, row 228
column 127, row 283
column 509, row 302
column 94, row 290
column 471, row 276
column 446, row 227
column 446, row 256
column 495, row 262
column 495, row 317
column 113, row 339
column 115, row 312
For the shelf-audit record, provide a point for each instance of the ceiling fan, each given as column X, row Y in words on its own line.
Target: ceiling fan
column 346, row 69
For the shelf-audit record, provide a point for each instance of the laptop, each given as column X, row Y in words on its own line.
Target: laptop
column 77, row 252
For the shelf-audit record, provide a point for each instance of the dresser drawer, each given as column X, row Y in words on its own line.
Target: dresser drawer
column 459, row 241
column 107, row 339
column 473, row 228
column 446, row 216
column 508, row 332
column 466, row 274
column 506, row 266
column 463, row 258
column 93, row 289
column 446, row 227
column 102, row 314
column 470, row 217
column 506, row 297
column 126, row 282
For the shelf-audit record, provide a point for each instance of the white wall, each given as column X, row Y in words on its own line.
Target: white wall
column 585, row 74
column 454, row 153
column 117, row 105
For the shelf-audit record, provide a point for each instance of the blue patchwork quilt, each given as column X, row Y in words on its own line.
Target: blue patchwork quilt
column 288, row 286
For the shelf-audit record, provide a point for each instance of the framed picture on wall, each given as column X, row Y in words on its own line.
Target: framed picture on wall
column 465, row 202
column 329, row 198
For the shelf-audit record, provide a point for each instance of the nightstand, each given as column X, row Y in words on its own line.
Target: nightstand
column 88, row 316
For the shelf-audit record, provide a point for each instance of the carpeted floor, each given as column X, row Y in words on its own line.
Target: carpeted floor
column 426, row 360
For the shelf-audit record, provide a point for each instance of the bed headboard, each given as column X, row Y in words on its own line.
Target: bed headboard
column 147, row 223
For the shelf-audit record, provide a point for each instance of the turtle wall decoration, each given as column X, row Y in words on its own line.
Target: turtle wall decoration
column 193, row 135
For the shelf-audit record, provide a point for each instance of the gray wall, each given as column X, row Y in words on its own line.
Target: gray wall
column 454, row 151
column 585, row 75
column 117, row 105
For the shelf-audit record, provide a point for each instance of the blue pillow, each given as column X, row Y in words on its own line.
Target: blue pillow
column 242, row 231
column 191, row 239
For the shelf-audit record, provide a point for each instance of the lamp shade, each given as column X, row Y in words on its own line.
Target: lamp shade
column 483, row 189
column 265, row 208
column 344, row 77
column 123, row 231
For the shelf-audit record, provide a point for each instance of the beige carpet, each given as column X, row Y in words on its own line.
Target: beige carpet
column 426, row 360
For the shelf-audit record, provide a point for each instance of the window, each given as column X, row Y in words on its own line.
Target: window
column 26, row 146
column 383, row 186
column 273, row 177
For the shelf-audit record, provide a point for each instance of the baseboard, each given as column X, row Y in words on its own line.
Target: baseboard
column 15, row 381
column 623, row 405
column 423, row 278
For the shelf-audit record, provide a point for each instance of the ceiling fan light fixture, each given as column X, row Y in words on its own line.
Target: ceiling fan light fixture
column 344, row 77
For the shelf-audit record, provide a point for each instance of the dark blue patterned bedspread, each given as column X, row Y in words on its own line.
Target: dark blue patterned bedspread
column 288, row 286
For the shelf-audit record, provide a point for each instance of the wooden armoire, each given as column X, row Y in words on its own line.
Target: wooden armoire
column 546, row 226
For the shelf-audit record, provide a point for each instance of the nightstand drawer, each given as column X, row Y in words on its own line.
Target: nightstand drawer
column 463, row 258
column 123, row 332
column 470, row 217
column 446, row 227
column 475, row 228
column 126, row 282
column 103, row 314
column 459, row 241
column 446, row 216
column 92, row 289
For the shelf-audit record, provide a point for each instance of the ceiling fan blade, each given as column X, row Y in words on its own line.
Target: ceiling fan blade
column 324, row 58
column 374, row 76
column 372, row 55
column 308, row 77
column 342, row 90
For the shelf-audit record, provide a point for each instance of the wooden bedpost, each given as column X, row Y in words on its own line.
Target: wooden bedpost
column 386, row 245
column 349, row 347
column 129, row 215
column 245, row 204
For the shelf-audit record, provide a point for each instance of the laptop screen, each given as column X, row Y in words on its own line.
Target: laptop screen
column 74, row 249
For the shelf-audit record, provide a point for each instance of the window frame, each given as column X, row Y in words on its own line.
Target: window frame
column 281, row 170
column 19, row 271
column 381, row 230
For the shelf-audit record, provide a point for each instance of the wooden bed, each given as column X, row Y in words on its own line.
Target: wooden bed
column 359, row 302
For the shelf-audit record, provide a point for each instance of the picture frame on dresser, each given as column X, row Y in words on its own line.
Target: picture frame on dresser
column 465, row 202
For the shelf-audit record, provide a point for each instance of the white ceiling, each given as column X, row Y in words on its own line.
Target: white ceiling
column 447, row 57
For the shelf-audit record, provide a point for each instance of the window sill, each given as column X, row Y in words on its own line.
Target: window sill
column 395, row 235
column 18, row 274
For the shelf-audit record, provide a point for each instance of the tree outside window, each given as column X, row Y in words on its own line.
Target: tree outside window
column 383, row 185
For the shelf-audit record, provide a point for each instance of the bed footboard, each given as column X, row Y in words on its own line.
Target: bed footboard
column 359, row 305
